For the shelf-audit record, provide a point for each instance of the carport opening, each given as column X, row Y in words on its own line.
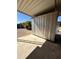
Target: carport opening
column 58, row 26
column 24, row 21
column 58, row 30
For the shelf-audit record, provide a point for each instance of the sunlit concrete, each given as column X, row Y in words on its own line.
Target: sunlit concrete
column 33, row 51
column 33, row 47
column 24, row 49
column 31, row 39
column 27, row 44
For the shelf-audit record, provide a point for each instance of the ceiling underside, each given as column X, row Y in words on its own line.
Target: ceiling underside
column 35, row 7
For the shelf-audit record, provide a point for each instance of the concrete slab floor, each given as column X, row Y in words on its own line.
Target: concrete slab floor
column 24, row 49
column 33, row 47
column 31, row 39
column 47, row 51
column 32, row 51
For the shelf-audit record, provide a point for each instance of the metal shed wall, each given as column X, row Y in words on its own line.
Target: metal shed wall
column 44, row 26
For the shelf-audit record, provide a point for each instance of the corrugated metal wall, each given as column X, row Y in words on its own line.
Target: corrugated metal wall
column 44, row 26
column 34, row 7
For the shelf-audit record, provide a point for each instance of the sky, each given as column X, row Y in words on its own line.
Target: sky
column 59, row 18
column 22, row 18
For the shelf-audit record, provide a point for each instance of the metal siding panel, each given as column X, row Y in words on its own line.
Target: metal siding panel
column 32, row 26
column 36, row 25
column 47, row 31
column 39, row 26
column 50, row 25
column 33, row 7
column 53, row 27
column 44, row 26
column 49, row 20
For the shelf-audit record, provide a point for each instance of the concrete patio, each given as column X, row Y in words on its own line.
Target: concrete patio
column 47, row 50
column 33, row 47
column 31, row 39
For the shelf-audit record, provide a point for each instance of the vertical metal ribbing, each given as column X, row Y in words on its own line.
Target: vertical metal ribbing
column 39, row 33
column 32, row 25
column 46, row 30
column 33, row 29
column 40, row 26
column 53, row 27
column 47, row 26
column 36, row 25
column 43, row 26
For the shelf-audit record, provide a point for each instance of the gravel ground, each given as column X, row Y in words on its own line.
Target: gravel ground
column 23, row 32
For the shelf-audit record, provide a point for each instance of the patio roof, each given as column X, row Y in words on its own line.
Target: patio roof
column 35, row 7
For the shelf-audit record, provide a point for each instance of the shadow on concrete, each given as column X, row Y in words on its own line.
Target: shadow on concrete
column 49, row 50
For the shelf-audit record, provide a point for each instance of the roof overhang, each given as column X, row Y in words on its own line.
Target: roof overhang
column 36, row 7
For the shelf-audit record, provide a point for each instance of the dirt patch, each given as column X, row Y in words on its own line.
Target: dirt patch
column 23, row 32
